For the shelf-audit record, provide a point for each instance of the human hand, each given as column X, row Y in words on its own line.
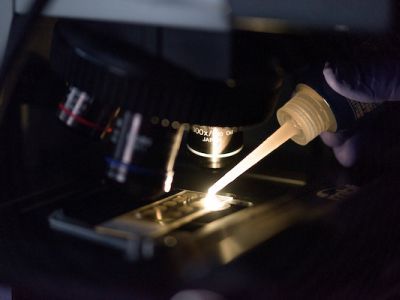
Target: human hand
column 373, row 139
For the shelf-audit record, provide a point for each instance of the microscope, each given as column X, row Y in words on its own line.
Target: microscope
column 148, row 103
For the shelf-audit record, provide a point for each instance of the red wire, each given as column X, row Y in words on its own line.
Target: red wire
column 79, row 119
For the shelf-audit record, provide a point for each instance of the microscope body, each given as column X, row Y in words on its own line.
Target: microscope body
column 148, row 103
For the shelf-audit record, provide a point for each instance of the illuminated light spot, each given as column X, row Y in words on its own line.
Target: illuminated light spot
column 186, row 126
column 168, row 182
column 214, row 203
column 164, row 122
column 170, row 241
column 175, row 124
column 158, row 214
column 154, row 120
column 230, row 83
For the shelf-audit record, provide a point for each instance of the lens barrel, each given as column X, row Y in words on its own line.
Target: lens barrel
column 214, row 147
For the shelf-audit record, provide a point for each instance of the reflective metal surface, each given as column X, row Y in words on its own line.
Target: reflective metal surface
column 214, row 147
column 143, row 153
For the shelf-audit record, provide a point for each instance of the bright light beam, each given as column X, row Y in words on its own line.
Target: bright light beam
column 284, row 133
column 213, row 202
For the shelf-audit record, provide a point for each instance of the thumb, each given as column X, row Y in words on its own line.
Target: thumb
column 365, row 80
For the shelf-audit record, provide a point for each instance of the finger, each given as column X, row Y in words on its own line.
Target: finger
column 334, row 139
column 365, row 81
column 348, row 153
column 374, row 140
column 353, row 88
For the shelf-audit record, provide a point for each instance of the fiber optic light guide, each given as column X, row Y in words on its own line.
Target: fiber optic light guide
column 168, row 214
column 275, row 140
